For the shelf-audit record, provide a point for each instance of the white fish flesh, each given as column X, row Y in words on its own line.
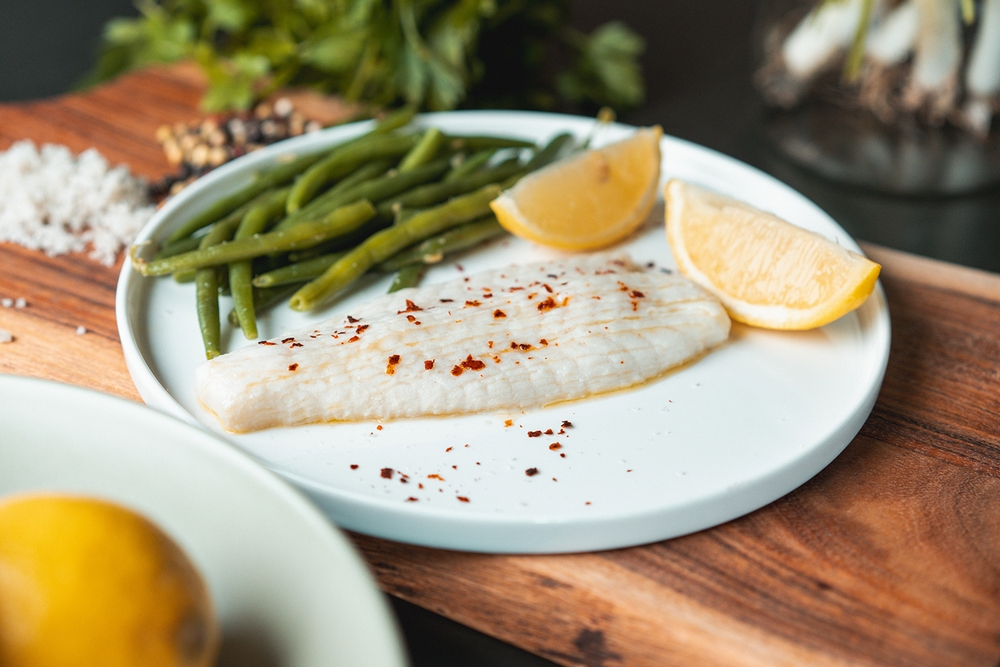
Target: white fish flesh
column 510, row 339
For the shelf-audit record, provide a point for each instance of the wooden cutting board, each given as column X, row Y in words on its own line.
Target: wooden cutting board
column 890, row 556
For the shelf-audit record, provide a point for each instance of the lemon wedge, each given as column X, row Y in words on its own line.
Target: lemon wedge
column 766, row 271
column 588, row 200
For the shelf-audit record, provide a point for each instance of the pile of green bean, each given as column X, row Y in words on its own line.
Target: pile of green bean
column 395, row 199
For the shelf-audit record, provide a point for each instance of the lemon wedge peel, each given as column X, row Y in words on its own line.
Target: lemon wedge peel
column 589, row 200
column 767, row 272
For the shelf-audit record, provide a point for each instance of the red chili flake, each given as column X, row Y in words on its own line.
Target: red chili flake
column 636, row 294
column 508, row 423
column 547, row 288
column 496, row 359
column 460, row 267
column 635, row 306
column 473, row 364
column 548, row 431
column 410, row 318
column 555, row 446
column 562, row 456
column 378, row 428
column 293, row 367
column 353, row 339
column 419, row 485
column 622, row 287
column 354, row 466
column 472, row 303
column 361, row 328
column 411, row 499
column 567, row 424
column 404, row 479
column 548, row 304
column 454, row 467
column 457, row 370
column 587, row 503
column 499, row 313
column 534, row 434
column 410, row 308
column 531, row 472
column 463, row 499
column 449, row 449
column 352, row 320
column 266, row 342
column 436, row 476
column 428, row 364
column 446, row 300
column 561, row 431
column 391, row 367
column 487, row 295
column 543, row 342
column 514, row 289
column 387, row 473
column 524, row 346
column 287, row 340
column 295, row 345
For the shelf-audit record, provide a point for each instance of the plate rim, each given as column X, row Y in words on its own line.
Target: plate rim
column 404, row 527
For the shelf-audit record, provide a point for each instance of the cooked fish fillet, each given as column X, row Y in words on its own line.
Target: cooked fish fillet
column 521, row 337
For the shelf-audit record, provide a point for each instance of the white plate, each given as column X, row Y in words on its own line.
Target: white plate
column 289, row 589
column 710, row 442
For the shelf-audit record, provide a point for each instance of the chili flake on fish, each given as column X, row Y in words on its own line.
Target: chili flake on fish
column 569, row 329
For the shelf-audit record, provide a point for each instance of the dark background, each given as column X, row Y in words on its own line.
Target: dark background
column 698, row 67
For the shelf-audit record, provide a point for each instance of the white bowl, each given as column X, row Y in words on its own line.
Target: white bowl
column 290, row 590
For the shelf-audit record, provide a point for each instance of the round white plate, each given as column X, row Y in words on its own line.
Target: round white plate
column 289, row 589
column 710, row 442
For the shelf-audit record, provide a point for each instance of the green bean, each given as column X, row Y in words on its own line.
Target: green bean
column 298, row 272
column 334, row 198
column 435, row 193
column 395, row 119
column 551, row 152
column 303, row 235
column 278, row 175
column 470, row 164
column 177, row 247
column 389, row 185
column 263, row 298
column 207, row 293
column 478, row 143
column 254, row 222
column 344, row 160
column 425, row 150
column 407, row 276
column 435, row 248
column 382, row 245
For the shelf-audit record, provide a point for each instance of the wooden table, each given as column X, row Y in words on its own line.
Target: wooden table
column 890, row 556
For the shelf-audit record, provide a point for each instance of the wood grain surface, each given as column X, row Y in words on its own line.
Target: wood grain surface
column 890, row 556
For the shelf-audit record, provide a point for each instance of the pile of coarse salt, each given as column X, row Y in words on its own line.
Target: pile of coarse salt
column 54, row 201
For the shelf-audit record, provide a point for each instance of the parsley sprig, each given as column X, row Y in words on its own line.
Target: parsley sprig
column 436, row 54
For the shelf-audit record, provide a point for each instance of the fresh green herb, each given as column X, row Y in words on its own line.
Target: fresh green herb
column 433, row 54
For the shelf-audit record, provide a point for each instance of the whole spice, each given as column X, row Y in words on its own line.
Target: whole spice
column 197, row 147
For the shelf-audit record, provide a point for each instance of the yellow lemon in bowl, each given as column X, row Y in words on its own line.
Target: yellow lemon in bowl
column 87, row 582
column 767, row 272
column 588, row 200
